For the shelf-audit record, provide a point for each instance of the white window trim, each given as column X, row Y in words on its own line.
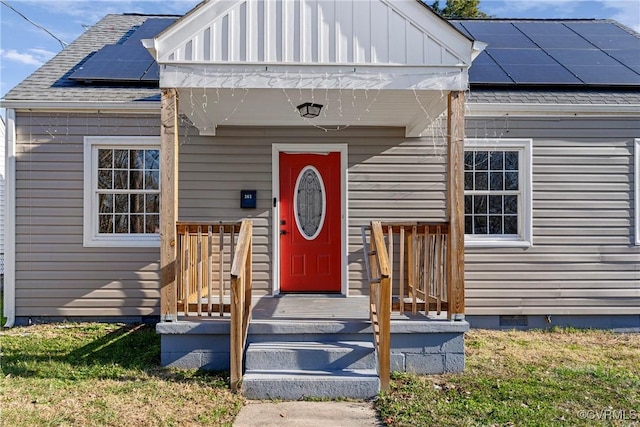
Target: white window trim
column 637, row 190
column 90, row 223
column 525, row 207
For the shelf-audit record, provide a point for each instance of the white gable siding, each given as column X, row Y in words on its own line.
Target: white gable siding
column 314, row 32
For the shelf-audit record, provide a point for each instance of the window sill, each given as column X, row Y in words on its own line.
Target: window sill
column 128, row 242
column 496, row 243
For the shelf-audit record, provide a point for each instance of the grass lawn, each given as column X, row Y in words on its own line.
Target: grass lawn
column 535, row 378
column 103, row 375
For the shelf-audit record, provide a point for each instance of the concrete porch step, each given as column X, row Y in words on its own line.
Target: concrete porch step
column 298, row 384
column 298, row 369
column 327, row 356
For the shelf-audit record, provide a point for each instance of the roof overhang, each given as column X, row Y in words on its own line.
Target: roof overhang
column 397, row 52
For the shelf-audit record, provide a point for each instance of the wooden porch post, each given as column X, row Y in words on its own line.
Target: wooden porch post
column 455, row 205
column 168, row 204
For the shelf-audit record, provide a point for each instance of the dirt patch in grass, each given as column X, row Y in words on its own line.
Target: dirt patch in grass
column 103, row 375
column 533, row 378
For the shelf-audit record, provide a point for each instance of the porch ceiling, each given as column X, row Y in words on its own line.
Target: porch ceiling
column 414, row 110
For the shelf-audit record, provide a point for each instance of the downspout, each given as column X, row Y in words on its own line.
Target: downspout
column 10, row 220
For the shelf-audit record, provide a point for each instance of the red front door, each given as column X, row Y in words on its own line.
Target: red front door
column 310, row 232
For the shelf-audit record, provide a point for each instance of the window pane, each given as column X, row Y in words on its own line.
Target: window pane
column 105, row 203
column 496, row 162
column 511, row 205
column 152, row 180
column 121, row 179
column 480, row 204
column 121, row 159
column 468, row 160
column 495, row 204
column 480, row 225
column 122, row 224
column 468, row 205
column 482, row 181
column 105, row 159
column 511, row 224
column 482, row 160
column 152, row 203
column 468, row 180
column 511, row 180
column 137, row 224
column 468, row 224
column 495, row 224
column 153, row 224
column 511, row 160
column 136, row 180
column 105, row 179
column 497, row 179
column 122, row 203
column 136, row 159
column 136, row 202
column 152, row 159
column 105, row 224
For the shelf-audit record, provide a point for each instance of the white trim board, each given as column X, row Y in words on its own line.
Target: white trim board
column 275, row 182
column 10, row 218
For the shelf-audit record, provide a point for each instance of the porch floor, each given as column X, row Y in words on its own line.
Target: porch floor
column 316, row 308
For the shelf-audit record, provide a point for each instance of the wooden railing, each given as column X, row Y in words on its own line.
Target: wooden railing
column 241, row 277
column 417, row 282
column 204, row 252
column 380, row 300
column 420, row 275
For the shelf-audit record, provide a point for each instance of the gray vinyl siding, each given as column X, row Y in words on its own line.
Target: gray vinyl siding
column 583, row 259
column 390, row 178
column 55, row 274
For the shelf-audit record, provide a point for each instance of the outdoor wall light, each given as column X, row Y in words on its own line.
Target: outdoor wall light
column 309, row 110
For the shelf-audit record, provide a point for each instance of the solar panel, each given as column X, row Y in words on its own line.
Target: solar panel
column 540, row 74
column 567, row 41
column 595, row 28
column 610, row 75
column 550, row 53
column 615, row 42
column 115, row 63
column 149, row 29
column 488, row 74
column 539, row 28
column 582, row 57
column 152, row 74
column 127, row 61
column 521, row 56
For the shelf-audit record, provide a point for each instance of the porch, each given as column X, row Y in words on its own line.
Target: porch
column 386, row 143
column 294, row 345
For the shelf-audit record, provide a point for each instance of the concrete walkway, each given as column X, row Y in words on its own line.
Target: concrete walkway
column 307, row 414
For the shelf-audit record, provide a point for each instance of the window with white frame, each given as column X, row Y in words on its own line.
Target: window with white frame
column 637, row 195
column 121, row 191
column 497, row 192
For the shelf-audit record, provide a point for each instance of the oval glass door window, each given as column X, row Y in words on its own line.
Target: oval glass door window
column 309, row 202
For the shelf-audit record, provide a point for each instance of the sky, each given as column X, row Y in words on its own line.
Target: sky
column 24, row 47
